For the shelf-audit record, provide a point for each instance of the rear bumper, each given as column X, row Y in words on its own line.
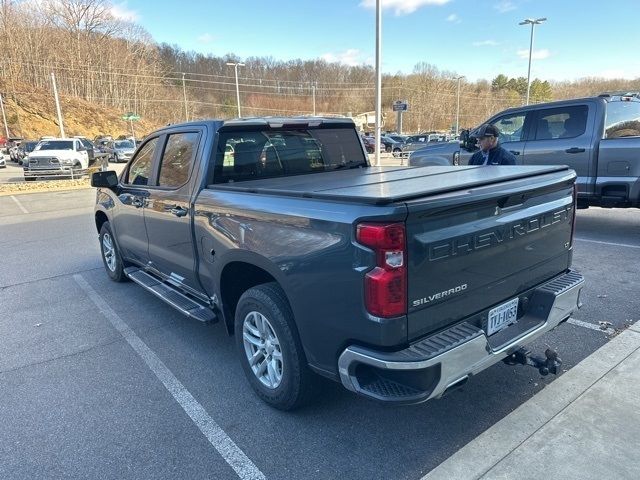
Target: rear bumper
column 438, row 363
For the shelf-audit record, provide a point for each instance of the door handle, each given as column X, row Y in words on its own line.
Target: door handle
column 178, row 211
column 574, row 150
column 515, row 152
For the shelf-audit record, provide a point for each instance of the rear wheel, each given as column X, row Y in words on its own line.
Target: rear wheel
column 269, row 348
column 456, row 158
column 111, row 258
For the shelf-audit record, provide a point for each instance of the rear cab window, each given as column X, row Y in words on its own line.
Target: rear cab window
column 622, row 119
column 264, row 153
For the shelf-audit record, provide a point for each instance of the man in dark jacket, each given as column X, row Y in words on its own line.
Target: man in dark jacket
column 490, row 152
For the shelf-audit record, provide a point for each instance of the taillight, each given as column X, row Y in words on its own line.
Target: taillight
column 575, row 211
column 385, row 287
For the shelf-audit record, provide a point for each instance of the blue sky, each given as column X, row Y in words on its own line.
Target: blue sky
column 475, row 38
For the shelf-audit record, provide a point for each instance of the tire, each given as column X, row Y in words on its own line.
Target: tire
column 397, row 152
column 387, row 149
column 110, row 254
column 265, row 329
column 456, row 159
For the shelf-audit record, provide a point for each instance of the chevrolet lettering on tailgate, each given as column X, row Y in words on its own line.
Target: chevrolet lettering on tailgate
column 470, row 243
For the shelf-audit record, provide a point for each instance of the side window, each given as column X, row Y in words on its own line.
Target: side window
column 177, row 159
column 510, row 127
column 562, row 122
column 140, row 169
column 623, row 119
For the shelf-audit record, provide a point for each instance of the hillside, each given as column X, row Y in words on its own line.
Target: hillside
column 33, row 114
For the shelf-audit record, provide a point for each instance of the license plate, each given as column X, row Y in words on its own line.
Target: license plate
column 502, row 316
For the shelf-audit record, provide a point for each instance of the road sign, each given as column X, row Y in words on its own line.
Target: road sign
column 400, row 106
column 130, row 116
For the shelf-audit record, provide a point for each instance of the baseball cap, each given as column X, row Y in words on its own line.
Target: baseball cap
column 486, row 130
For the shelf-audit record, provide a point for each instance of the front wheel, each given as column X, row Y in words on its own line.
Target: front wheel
column 111, row 258
column 269, row 348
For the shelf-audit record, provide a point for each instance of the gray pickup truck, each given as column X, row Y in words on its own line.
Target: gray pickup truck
column 399, row 282
column 598, row 137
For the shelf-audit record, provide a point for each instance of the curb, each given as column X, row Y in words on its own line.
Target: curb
column 479, row 456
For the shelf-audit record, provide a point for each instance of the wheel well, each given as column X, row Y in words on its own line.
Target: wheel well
column 101, row 217
column 237, row 278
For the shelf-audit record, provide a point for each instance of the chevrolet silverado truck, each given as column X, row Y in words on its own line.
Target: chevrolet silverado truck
column 598, row 137
column 401, row 283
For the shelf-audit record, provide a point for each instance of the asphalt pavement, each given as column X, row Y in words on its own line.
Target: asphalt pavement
column 102, row 380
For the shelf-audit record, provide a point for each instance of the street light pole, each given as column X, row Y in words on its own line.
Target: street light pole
column 184, row 96
column 378, row 80
column 235, row 67
column 458, row 106
column 533, row 23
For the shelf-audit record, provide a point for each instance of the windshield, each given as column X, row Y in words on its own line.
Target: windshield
column 254, row 154
column 124, row 144
column 56, row 145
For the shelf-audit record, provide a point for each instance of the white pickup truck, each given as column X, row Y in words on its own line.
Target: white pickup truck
column 54, row 157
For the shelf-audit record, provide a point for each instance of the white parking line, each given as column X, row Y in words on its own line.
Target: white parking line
column 614, row 244
column 231, row 453
column 591, row 326
column 24, row 210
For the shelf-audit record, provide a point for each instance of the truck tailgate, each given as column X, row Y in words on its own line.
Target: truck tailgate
column 476, row 248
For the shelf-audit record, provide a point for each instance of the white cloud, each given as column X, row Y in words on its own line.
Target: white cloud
column 402, row 7
column 486, row 43
column 453, row 18
column 535, row 55
column 350, row 57
column 504, row 6
column 122, row 12
column 206, row 38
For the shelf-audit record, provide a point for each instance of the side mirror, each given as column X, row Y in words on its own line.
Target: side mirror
column 108, row 179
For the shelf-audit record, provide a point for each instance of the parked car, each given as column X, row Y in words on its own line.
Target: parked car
column 599, row 137
column 391, row 146
column 402, row 139
column 62, row 156
column 25, row 149
column 91, row 149
column 119, row 150
column 399, row 283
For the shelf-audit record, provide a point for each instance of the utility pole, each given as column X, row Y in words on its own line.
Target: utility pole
column 184, row 94
column 533, row 23
column 4, row 117
column 313, row 93
column 235, row 67
column 55, row 94
column 458, row 107
column 378, row 80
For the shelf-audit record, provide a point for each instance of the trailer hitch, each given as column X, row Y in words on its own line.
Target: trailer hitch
column 550, row 364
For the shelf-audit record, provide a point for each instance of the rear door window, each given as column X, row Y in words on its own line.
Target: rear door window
column 140, row 169
column 622, row 120
column 177, row 159
column 561, row 122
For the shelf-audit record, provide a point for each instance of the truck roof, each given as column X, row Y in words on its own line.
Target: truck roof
column 606, row 97
column 385, row 185
column 273, row 122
